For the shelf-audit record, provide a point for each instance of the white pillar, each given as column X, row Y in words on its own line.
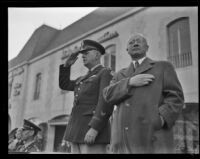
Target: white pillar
column 50, row 138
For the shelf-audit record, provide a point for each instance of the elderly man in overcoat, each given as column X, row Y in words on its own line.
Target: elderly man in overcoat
column 88, row 130
column 149, row 98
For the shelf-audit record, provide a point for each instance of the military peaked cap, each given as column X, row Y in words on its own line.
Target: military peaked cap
column 91, row 44
column 31, row 126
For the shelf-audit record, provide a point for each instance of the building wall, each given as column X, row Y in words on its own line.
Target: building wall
column 17, row 97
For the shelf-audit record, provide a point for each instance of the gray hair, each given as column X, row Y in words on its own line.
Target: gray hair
column 137, row 34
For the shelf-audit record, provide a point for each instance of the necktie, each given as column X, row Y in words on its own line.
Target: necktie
column 136, row 64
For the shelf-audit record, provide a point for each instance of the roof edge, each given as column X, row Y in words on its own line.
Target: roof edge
column 125, row 15
column 115, row 20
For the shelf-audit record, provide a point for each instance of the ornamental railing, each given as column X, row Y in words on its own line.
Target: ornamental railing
column 181, row 60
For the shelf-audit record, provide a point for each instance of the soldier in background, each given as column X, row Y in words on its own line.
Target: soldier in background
column 29, row 133
column 15, row 139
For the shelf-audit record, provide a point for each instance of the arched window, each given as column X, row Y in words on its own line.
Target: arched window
column 179, row 43
column 37, row 86
column 110, row 57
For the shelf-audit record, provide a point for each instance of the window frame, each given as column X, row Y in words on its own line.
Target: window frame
column 37, row 89
column 109, row 55
column 180, row 59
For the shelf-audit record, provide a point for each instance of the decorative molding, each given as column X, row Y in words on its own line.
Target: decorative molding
column 17, row 89
column 18, row 85
column 17, row 71
column 107, row 36
column 65, row 54
column 17, row 92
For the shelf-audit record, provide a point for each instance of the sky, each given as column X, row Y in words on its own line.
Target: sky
column 22, row 22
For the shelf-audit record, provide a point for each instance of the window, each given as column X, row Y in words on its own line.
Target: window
column 37, row 86
column 110, row 57
column 179, row 42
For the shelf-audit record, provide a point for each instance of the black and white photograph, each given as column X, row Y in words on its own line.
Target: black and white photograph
column 103, row 80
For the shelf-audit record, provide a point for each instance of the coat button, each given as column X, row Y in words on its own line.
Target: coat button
column 79, row 89
column 93, row 111
column 81, row 82
column 126, row 128
column 127, row 104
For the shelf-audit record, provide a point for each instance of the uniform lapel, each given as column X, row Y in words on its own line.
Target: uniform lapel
column 95, row 71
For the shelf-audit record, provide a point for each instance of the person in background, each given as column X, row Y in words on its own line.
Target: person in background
column 149, row 99
column 15, row 140
column 29, row 133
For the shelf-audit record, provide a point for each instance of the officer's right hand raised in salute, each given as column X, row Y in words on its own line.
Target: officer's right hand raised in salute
column 88, row 130
column 72, row 59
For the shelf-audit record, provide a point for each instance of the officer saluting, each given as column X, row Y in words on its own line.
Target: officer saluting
column 29, row 133
column 14, row 140
column 88, row 130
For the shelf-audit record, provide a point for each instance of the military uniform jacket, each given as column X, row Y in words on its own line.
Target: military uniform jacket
column 137, row 124
column 13, row 145
column 89, row 106
column 28, row 147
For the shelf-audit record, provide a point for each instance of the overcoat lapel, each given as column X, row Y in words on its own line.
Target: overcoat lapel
column 129, row 71
column 144, row 66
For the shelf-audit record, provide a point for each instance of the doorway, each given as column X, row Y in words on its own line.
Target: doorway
column 59, row 132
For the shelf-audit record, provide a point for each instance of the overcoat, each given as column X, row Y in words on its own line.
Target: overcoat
column 136, row 124
column 89, row 106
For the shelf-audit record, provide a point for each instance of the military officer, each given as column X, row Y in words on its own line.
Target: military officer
column 29, row 133
column 88, row 130
column 15, row 139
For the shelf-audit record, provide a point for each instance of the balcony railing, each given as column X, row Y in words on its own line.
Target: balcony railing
column 181, row 60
